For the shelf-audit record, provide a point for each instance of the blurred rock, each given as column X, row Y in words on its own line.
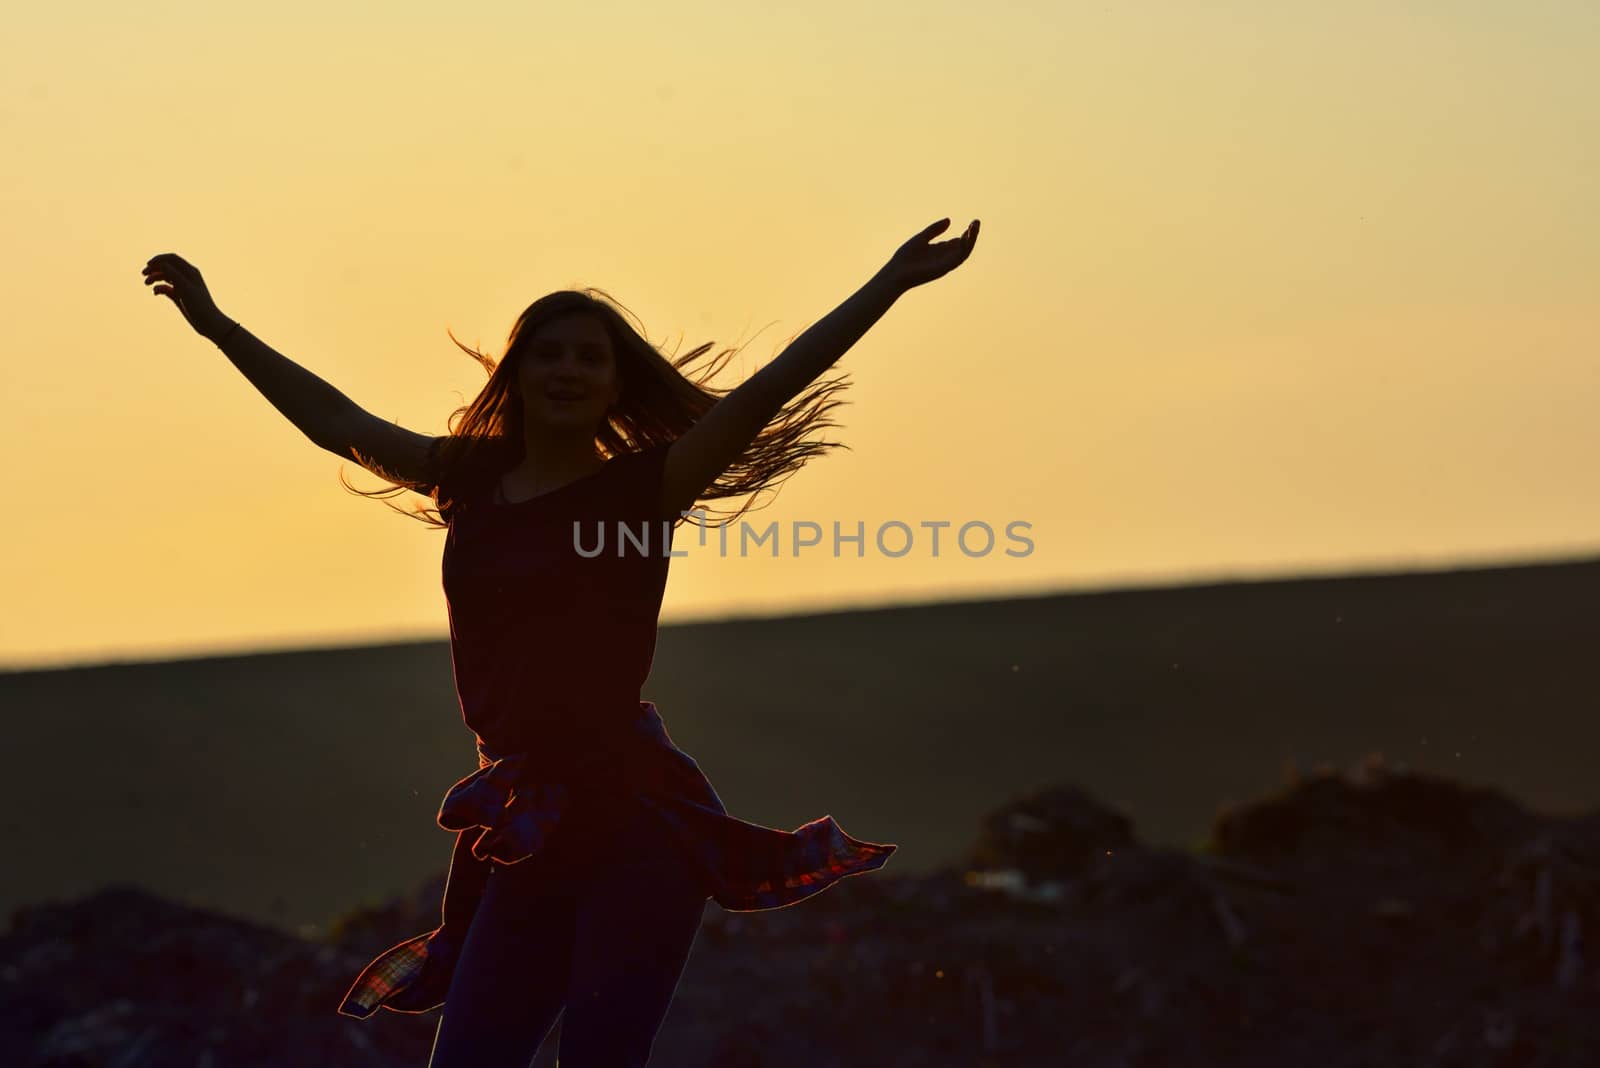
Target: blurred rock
column 1049, row 835
column 125, row 978
column 1379, row 812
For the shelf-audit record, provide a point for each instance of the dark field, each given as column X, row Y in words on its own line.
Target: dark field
column 290, row 787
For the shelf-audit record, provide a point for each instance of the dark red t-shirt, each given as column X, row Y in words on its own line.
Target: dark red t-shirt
column 553, row 605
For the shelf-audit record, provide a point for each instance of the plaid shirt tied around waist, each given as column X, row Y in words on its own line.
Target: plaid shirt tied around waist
column 501, row 817
column 514, row 822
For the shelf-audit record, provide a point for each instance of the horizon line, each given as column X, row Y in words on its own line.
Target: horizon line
column 1106, row 585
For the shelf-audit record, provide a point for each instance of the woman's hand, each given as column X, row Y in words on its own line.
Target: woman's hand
column 917, row 262
column 187, row 290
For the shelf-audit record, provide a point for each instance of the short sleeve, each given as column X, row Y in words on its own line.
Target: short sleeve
column 444, row 495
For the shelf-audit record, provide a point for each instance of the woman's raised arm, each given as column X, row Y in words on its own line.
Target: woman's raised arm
column 717, row 438
column 321, row 412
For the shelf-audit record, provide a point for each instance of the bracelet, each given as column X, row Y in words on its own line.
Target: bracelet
column 226, row 332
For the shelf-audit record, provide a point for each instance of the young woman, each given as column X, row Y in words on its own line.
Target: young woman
column 587, row 842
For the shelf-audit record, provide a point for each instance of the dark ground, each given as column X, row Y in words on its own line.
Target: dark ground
column 1374, row 917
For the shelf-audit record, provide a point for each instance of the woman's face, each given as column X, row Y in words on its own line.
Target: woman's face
column 568, row 373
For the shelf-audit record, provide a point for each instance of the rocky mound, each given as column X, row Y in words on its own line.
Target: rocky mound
column 1376, row 917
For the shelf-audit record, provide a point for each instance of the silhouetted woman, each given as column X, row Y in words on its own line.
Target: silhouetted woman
column 587, row 842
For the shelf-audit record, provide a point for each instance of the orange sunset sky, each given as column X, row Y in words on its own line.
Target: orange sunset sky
column 1262, row 288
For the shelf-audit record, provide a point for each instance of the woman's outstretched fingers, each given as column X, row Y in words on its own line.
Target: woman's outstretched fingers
column 921, row 260
column 183, row 284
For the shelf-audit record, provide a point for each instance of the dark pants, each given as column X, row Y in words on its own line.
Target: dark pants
column 598, row 923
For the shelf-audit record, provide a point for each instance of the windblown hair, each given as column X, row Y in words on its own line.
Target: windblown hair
column 657, row 404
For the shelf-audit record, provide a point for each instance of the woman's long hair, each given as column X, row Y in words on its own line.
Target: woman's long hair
column 656, row 406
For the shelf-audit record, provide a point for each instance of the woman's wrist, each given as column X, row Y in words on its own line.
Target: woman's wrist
column 216, row 327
